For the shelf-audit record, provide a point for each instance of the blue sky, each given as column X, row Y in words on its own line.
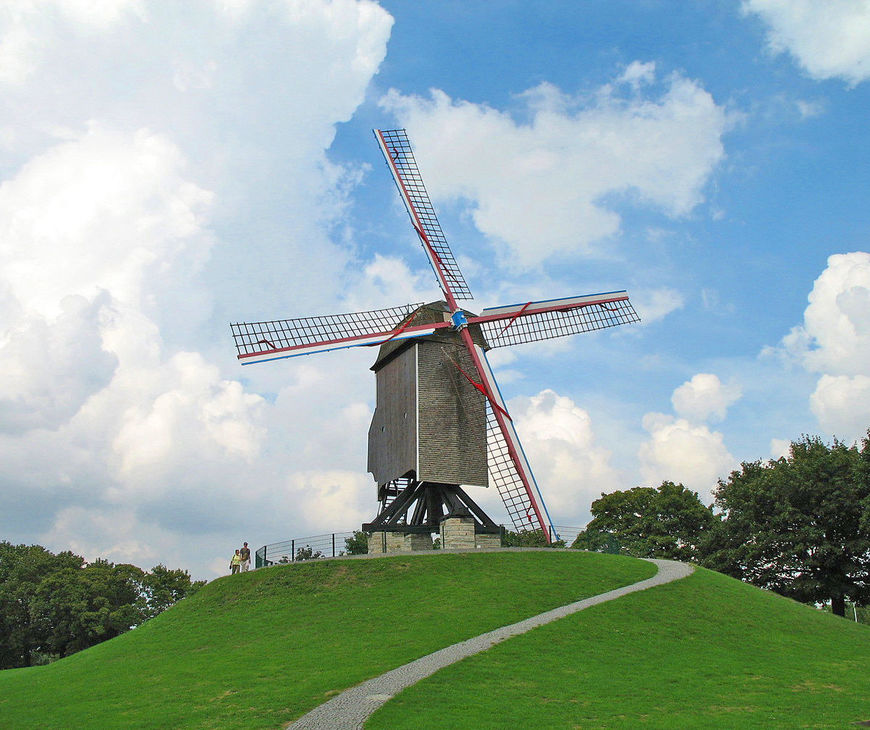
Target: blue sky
column 168, row 168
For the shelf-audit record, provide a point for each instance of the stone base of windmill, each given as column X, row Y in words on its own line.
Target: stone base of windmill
column 398, row 542
column 457, row 533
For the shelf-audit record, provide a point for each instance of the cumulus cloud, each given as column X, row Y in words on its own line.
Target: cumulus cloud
column 704, row 397
column 114, row 210
column 828, row 40
column 683, row 448
column 189, row 415
column 683, row 452
column 572, row 469
column 570, row 162
column 638, row 73
column 103, row 212
column 28, row 29
column 329, row 498
column 51, row 367
column 655, row 304
column 834, row 340
column 841, row 403
column 779, row 448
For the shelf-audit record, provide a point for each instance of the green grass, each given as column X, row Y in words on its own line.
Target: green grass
column 259, row 649
column 707, row 651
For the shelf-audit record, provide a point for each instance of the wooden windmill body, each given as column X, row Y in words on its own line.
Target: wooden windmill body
column 429, row 422
column 440, row 423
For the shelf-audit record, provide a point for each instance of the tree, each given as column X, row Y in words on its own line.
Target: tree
column 668, row 521
column 307, row 553
column 530, row 538
column 77, row 608
column 799, row 525
column 163, row 588
column 22, row 569
column 54, row 605
column 357, row 544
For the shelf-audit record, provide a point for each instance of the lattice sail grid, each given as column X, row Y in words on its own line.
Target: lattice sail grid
column 254, row 337
column 403, row 158
column 549, row 325
column 503, row 475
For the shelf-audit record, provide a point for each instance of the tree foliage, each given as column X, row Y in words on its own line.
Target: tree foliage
column 529, row 538
column 54, row 605
column 799, row 525
column 308, row 553
column 668, row 521
column 357, row 544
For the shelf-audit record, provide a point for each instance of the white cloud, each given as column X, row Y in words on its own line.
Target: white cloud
column 330, row 497
column 655, row 304
column 571, row 468
column 191, row 414
column 779, row 448
column 828, row 39
column 834, row 340
column 704, row 397
column 568, row 162
column 114, row 236
column 50, row 368
column 835, row 336
column 638, row 73
column 682, row 452
column 104, row 212
column 841, row 403
column 17, row 55
column 28, row 28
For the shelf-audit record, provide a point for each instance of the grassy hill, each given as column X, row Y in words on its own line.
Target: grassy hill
column 259, row 649
column 262, row 648
column 706, row 651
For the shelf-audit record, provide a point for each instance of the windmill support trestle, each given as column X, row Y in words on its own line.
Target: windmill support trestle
column 423, row 508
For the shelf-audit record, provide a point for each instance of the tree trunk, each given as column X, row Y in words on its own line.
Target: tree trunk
column 838, row 606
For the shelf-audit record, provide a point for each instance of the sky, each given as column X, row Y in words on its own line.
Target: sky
column 169, row 168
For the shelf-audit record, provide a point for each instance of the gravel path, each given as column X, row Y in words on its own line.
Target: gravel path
column 351, row 708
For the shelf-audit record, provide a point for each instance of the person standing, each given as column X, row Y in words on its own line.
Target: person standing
column 245, row 554
column 235, row 562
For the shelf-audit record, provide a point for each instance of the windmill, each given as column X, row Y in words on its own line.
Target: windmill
column 440, row 422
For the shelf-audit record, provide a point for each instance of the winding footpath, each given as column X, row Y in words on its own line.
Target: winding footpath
column 351, row 708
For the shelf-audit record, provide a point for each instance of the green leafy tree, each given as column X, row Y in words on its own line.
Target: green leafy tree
column 77, row 608
column 357, row 544
column 668, row 521
column 799, row 525
column 163, row 588
column 22, row 569
column 308, row 553
column 54, row 605
column 530, row 538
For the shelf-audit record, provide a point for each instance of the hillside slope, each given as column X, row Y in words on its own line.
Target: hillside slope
column 259, row 649
column 705, row 651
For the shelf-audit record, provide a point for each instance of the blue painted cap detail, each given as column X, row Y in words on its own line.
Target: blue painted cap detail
column 459, row 320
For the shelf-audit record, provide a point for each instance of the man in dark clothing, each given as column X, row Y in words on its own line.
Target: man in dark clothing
column 245, row 554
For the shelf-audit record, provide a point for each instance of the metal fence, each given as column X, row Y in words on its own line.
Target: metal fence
column 334, row 544
column 567, row 534
column 330, row 545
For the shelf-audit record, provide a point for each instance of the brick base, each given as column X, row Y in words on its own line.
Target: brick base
column 398, row 542
column 487, row 541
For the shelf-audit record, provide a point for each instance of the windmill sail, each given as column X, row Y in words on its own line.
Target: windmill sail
column 536, row 321
column 506, row 465
column 397, row 152
column 509, row 470
column 282, row 338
